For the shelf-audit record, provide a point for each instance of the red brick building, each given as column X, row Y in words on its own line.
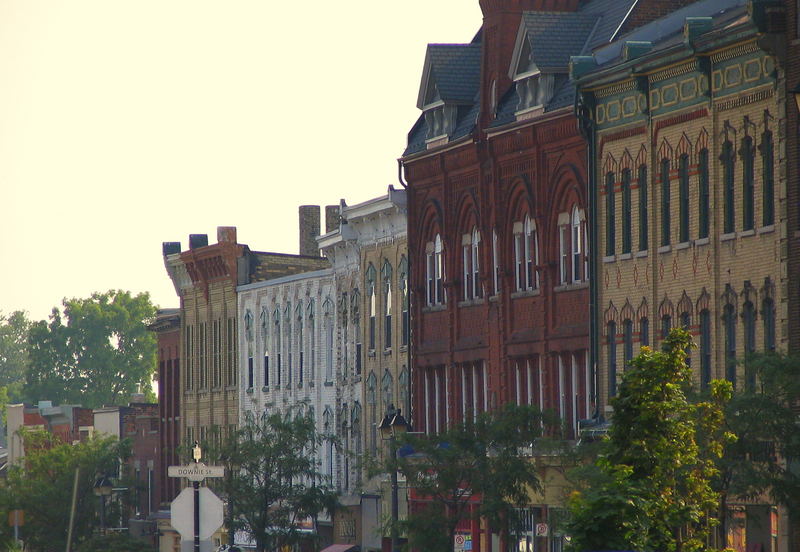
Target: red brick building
column 167, row 327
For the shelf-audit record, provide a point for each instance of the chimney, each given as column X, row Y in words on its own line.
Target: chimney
column 332, row 218
column 501, row 19
column 309, row 230
column 170, row 248
column 198, row 240
column 226, row 234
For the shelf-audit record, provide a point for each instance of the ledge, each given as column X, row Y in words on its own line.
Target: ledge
column 640, row 254
column 265, row 389
column 387, row 352
column 494, row 298
column 682, row 245
column 609, row 258
column 434, row 308
column 525, row 293
column 571, row 287
column 664, row 248
column 766, row 229
column 746, row 233
column 702, row 241
column 471, row 302
column 625, row 257
column 249, row 391
column 328, row 384
column 727, row 237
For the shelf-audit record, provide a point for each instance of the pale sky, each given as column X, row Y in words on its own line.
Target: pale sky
column 124, row 124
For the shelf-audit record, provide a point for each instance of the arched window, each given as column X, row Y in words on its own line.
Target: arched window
column 370, row 283
column 405, row 392
column 470, row 245
column 705, row 201
column 435, row 271
column 265, row 338
column 278, row 345
column 387, row 385
column 287, row 315
column 643, row 219
column 611, row 331
column 768, row 316
column 666, row 197
column 496, row 262
column 405, row 323
column 298, row 313
column 748, row 154
column 729, row 325
column 705, row 349
column 666, row 326
column 312, row 340
column 626, row 211
column 683, row 198
column 644, row 331
column 526, row 249
column 327, row 308
column 749, row 323
column 611, row 216
column 686, row 323
column 768, row 177
column 386, row 273
column 578, row 236
column 627, row 342
column 371, row 397
column 355, row 312
column 728, row 187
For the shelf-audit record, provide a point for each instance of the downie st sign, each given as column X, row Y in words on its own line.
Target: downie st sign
column 196, row 472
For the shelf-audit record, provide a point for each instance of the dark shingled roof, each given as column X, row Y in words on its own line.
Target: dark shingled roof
column 456, row 70
column 555, row 36
column 612, row 13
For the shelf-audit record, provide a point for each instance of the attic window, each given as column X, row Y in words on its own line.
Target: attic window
column 534, row 91
column 440, row 119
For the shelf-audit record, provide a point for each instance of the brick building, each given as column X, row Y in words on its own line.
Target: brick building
column 167, row 328
column 70, row 423
column 205, row 278
column 685, row 116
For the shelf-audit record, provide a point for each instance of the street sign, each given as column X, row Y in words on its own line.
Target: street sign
column 463, row 542
column 182, row 513
column 196, row 471
column 542, row 529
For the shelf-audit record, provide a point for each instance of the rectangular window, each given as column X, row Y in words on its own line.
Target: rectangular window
column 203, row 357
column 626, row 211
column 703, row 210
column 611, row 330
column 467, row 262
column 519, row 256
column 358, row 359
column 768, row 316
column 611, row 216
column 250, row 372
column 729, row 322
column 280, row 369
column 477, row 292
column 683, row 198
column 578, row 229
column 768, row 175
column 666, row 193
column 666, row 326
column 627, row 342
column 643, row 222
column 233, row 355
column 496, row 262
column 749, row 322
column 266, row 370
column 563, row 255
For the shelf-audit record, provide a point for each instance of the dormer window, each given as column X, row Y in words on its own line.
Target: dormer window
column 440, row 120
column 534, row 90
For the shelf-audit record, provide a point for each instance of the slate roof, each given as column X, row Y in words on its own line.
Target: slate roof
column 611, row 13
column 456, row 70
column 555, row 36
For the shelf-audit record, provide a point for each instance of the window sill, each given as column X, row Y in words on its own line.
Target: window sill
column 525, row 293
column 747, row 233
column 371, row 353
column 288, row 386
column 766, row 229
column 265, row 389
column 311, row 384
column 328, row 384
column 664, row 249
column 727, row 237
column 494, row 298
column 357, row 378
column 609, row 258
column 682, row 245
column 625, row 257
column 701, row 241
column 299, row 384
column 231, row 388
column 403, row 348
column 249, row 391
column 471, row 302
column 387, row 351
column 434, row 308
column 571, row 287
column 640, row 254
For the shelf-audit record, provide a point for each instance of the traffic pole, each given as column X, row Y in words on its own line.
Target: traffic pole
column 196, row 485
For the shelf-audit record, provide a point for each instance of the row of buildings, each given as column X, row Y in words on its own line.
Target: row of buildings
column 584, row 175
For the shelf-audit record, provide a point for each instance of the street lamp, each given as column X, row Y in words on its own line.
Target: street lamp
column 102, row 488
column 392, row 425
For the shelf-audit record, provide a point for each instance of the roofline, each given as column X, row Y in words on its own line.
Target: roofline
column 438, row 149
column 514, row 125
column 285, row 279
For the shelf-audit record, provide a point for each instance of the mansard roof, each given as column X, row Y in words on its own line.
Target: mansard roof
column 548, row 39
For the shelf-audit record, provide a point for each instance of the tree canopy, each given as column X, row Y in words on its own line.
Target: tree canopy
column 651, row 486
column 96, row 351
column 273, row 481
column 13, row 353
column 474, row 469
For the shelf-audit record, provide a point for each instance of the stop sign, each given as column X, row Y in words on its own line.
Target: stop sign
column 182, row 513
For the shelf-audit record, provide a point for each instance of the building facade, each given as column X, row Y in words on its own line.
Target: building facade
column 685, row 116
column 368, row 253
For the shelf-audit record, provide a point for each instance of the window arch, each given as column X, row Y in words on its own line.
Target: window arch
column 627, row 215
column 387, row 388
column 611, row 215
column 386, row 274
column 683, row 198
column 405, row 328
column 471, row 264
column 748, row 154
column 371, row 276
column 666, row 197
column 435, row 271
column 526, row 250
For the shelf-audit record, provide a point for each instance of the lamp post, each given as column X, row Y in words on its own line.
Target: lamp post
column 197, row 454
column 393, row 424
column 102, row 488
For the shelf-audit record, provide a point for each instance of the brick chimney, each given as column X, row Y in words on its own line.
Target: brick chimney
column 501, row 20
column 226, row 234
column 309, row 230
column 331, row 218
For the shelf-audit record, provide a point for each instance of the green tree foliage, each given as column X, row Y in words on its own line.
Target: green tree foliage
column 118, row 542
column 765, row 457
column 13, row 353
column 651, row 486
column 94, row 353
column 42, row 487
column 475, row 469
column 273, row 481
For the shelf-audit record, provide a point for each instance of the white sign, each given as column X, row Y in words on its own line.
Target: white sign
column 182, row 513
column 463, row 542
column 196, row 472
column 541, row 529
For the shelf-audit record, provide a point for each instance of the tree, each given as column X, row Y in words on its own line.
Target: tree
column 118, row 542
column 474, row 469
column 42, row 487
column 651, row 486
column 13, row 353
column 763, row 460
column 274, row 484
column 100, row 356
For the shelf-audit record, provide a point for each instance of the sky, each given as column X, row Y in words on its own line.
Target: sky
column 124, row 124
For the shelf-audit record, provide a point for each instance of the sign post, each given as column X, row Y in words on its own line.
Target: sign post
column 197, row 472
